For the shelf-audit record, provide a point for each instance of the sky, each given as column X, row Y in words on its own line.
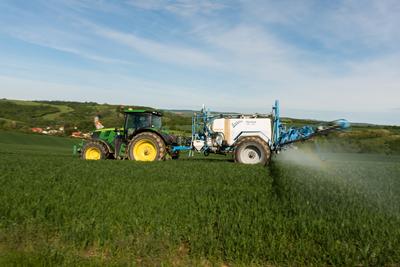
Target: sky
column 322, row 59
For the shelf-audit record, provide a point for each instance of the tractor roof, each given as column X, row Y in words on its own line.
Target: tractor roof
column 131, row 110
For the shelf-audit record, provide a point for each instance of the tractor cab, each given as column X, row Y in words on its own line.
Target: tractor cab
column 136, row 120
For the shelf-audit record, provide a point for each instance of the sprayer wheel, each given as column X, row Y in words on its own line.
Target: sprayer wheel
column 147, row 146
column 252, row 150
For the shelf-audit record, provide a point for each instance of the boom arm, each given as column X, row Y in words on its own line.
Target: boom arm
column 283, row 136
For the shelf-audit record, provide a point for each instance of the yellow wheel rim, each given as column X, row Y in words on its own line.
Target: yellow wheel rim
column 145, row 150
column 93, row 153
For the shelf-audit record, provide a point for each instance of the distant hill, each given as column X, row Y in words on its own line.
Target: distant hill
column 24, row 115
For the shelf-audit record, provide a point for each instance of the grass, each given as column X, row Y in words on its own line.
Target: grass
column 59, row 210
column 33, row 145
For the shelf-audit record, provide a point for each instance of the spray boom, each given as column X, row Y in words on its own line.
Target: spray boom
column 283, row 136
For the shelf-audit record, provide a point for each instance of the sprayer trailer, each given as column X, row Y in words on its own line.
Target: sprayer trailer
column 251, row 138
column 247, row 136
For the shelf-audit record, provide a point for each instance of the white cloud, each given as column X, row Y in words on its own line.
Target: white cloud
column 83, row 5
column 59, row 40
column 185, row 8
column 169, row 53
column 271, row 68
column 337, row 25
column 280, row 12
column 311, row 79
column 372, row 23
column 252, row 52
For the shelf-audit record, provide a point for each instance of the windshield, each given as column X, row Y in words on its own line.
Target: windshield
column 142, row 120
column 156, row 122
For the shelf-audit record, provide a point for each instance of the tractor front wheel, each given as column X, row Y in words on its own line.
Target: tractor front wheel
column 94, row 151
column 146, row 146
column 252, row 150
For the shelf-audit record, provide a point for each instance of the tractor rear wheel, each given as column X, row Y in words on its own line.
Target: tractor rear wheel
column 252, row 150
column 146, row 146
column 94, row 151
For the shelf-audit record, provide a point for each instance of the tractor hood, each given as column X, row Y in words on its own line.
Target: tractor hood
column 108, row 129
column 106, row 134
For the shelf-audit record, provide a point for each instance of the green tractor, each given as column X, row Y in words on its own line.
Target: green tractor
column 141, row 138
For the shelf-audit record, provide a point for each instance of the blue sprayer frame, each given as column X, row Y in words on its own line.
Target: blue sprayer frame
column 281, row 136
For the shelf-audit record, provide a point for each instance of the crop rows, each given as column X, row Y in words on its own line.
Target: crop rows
column 60, row 210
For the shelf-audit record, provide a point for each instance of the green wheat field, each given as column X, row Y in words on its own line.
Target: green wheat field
column 305, row 209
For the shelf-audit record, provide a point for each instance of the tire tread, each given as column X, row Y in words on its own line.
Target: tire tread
column 252, row 139
column 161, row 149
column 94, row 143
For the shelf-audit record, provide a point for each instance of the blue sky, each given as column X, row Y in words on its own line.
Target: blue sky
column 322, row 59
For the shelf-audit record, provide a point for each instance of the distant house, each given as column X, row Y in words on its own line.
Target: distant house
column 76, row 134
column 37, row 130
